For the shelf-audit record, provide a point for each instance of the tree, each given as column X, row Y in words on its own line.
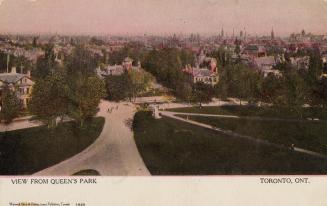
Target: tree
column 270, row 89
column 295, row 91
column 35, row 39
column 138, row 81
column 86, row 96
column 116, row 87
column 184, row 91
column 46, row 64
column 239, row 81
column 315, row 67
column 318, row 96
column 11, row 105
column 81, row 62
column 166, row 65
column 50, row 99
column 202, row 93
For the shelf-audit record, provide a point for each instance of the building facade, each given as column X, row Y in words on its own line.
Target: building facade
column 22, row 84
column 205, row 75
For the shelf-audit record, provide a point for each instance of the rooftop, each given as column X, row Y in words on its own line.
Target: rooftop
column 11, row 77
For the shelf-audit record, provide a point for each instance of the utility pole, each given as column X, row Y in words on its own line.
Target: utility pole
column 8, row 59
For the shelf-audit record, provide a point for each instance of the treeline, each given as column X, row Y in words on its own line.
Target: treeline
column 292, row 89
column 166, row 65
column 129, row 85
column 66, row 89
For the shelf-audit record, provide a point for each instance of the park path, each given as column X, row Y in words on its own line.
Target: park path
column 21, row 123
column 245, row 117
column 114, row 153
column 233, row 134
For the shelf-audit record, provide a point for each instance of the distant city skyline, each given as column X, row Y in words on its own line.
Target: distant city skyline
column 156, row 17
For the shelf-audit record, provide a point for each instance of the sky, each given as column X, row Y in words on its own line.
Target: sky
column 138, row 17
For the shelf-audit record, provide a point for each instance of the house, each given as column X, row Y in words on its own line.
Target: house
column 205, row 75
column 253, row 50
column 117, row 70
column 301, row 62
column 20, row 83
column 266, row 64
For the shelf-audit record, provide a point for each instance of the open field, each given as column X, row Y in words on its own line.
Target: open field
column 183, row 149
column 29, row 150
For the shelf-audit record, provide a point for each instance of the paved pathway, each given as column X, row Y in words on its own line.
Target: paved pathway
column 19, row 124
column 245, row 117
column 114, row 153
column 233, row 134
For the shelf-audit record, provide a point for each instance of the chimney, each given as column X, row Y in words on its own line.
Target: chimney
column 13, row 70
column 29, row 74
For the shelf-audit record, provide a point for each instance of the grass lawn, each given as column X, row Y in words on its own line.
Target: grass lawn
column 307, row 135
column 171, row 147
column 27, row 151
column 255, row 111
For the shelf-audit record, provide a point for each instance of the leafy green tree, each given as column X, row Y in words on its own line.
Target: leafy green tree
column 117, row 87
column 46, row 64
column 166, row 65
column 81, row 62
column 184, row 91
column 295, row 91
column 50, row 99
column 34, row 44
column 11, row 105
column 202, row 93
column 138, row 81
column 315, row 67
column 222, row 55
column 85, row 98
column 239, row 81
column 270, row 89
column 320, row 93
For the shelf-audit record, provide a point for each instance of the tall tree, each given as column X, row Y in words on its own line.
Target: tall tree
column 86, row 96
column 46, row 64
column 138, row 81
column 81, row 62
column 202, row 93
column 50, row 99
column 117, row 87
column 184, row 91
column 11, row 105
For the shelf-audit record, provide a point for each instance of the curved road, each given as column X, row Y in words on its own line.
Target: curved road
column 114, row 153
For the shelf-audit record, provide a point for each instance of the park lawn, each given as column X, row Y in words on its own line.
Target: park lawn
column 172, row 147
column 263, row 111
column 26, row 151
column 307, row 135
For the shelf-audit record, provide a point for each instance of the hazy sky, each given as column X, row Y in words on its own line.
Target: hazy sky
column 162, row 16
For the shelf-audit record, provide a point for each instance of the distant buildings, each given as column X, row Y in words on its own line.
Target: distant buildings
column 117, row 70
column 20, row 83
column 300, row 62
column 204, row 74
column 266, row 65
column 254, row 51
